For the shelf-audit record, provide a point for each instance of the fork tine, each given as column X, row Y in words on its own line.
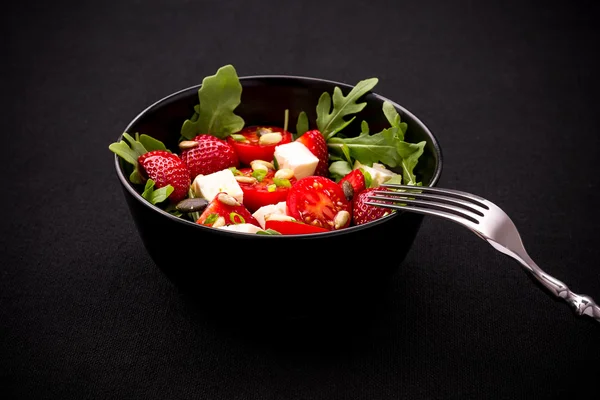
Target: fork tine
column 425, row 205
column 467, row 205
column 480, row 201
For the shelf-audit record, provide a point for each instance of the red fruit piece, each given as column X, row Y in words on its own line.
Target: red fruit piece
column 210, row 155
column 356, row 179
column 166, row 168
column 315, row 142
column 227, row 207
column 363, row 213
column 319, row 201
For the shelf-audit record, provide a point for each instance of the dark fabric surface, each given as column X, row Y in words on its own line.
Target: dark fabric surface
column 509, row 88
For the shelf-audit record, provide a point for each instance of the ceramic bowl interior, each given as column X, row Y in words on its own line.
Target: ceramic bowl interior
column 284, row 273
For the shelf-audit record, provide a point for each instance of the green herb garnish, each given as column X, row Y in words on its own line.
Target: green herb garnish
column 282, row 182
column 156, row 196
column 219, row 95
column 331, row 121
column 259, row 174
column 236, row 218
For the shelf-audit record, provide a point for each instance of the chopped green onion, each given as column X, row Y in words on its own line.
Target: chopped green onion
column 259, row 174
column 282, row 182
column 272, row 188
column 211, row 219
column 238, row 137
column 235, row 171
column 239, row 220
column 286, row 119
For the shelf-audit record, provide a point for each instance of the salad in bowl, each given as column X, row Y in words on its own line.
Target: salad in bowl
column 302, row 175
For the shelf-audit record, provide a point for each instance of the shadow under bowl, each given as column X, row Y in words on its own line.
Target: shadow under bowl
column 289, row 276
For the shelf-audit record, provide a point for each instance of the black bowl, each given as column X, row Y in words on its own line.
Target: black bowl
column 276, row 275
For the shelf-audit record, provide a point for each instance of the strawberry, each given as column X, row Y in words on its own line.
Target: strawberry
column 225, row 210
column 210, row 155
column 315, row 142
column 363, row 213
column 165, row 168
column 356, row 179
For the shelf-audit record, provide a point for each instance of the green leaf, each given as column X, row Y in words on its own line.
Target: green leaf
column 410, row 153
column 391, row 114
column 332, row 120
column 379, row 147
column 129, row 149
column 151, row 144
column 156, row 196
column 339, row 169
column 364, row 127
column 219, row 95
column 302, row 124
column 268, row 232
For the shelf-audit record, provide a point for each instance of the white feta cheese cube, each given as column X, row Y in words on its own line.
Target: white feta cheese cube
column 379, row 174
column 208, row 186
column 246, row 228
column 270, row 209
column 297, row 157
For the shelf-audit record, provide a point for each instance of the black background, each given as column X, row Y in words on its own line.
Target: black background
column 510, row 88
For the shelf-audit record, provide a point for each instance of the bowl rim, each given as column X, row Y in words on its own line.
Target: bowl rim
column 404, row 111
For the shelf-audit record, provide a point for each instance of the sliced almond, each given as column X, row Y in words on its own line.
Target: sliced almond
column 284, row 173
column 270, row 138
column 227, row 199
column 261, row 164
column 188, row 144
column 246, row 179
column 279, row 217
column 341, row 219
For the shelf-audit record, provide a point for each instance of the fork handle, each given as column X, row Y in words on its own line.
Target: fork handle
column 581, row 304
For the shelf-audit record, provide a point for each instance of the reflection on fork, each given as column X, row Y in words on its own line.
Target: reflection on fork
column 485, row 219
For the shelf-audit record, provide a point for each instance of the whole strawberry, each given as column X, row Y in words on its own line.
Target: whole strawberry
column 209, row 155
column 166, row 168
column 315, row 142
column 363, row 213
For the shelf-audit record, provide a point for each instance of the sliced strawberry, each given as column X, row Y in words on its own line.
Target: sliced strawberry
column 315, row 142
column 356, row 179
column 363, row 213
column 210, row 155
column 225, row 210
column 166, row 168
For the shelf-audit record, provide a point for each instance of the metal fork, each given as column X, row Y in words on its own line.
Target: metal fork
column 485, row 219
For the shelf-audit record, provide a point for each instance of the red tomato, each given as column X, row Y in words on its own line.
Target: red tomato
column 317, row 200
column 263, row 192
column 293, row 227
column 231, row 213
column 249, row 148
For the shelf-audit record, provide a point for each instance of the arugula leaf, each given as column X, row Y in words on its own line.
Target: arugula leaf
column 130, row 150
column 410, row 153
column 378, row 147
column 391, row 114
column 219, row 95
column 339, row 169
column 150, row 143
column 155, row 196
column 329, row 121
column 301, row 124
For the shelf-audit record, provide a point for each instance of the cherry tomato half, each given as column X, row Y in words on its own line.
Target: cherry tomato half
column 265, row 190
column 247, row 143
column 293, row 227
column 317, row 200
